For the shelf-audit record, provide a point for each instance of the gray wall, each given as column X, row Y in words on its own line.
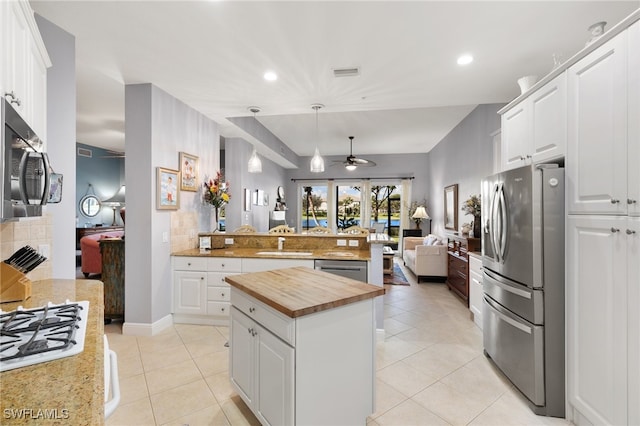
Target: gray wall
column 157, row 127
column 237, row 153
column 106, row 175
column 61, row 137
column 465, row 157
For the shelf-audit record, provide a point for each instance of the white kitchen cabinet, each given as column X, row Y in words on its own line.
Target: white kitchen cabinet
column 25, row 62
column 200, row 293
column 262, row 368
column 534, row 130
column 476, row 293
column 597, row 133
column 289, row 370
column 633, row 142
column 633, row 302
column 597, row 318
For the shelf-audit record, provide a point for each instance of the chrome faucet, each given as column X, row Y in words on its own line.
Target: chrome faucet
column 281, row 241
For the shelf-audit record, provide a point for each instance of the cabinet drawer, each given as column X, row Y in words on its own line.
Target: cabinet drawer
column 224, row 264
column 217, row 278
column 218, row 294
column 218, row 308
column 277, row 323
column 182, row 263
column 475, row 265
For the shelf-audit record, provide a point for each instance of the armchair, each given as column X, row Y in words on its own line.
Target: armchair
column 426, row 260
column 91, row 262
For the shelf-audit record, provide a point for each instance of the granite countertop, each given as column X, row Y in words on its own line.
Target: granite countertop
column 67, row 390
column 301, row 291
column 335, row 254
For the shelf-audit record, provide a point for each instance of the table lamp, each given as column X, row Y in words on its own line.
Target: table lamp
column 420, row 214
column 114, row 202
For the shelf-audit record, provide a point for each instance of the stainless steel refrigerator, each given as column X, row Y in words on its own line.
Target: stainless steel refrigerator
column 523, row 281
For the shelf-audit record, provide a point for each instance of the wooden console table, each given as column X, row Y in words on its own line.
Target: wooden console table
column 458, row 249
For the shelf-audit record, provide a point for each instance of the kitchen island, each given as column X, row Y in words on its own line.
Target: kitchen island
column 302, row 346
column 67, row 390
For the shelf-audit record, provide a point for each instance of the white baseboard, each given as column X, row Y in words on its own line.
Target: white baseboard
column 143, row 329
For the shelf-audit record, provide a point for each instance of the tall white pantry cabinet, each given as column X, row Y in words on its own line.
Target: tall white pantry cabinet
column 603, row 233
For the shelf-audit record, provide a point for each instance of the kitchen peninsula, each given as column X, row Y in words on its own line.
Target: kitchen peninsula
column 67, row 390
column 290, row 330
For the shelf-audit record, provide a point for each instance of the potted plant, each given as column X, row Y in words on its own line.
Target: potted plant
column 473, row 207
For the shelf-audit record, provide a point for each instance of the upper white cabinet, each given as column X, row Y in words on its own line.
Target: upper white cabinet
column 534, row 130
column 633, row 122
column 24, row 64
column 597, row 137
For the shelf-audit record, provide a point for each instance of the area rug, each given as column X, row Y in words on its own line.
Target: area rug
column 397, row 278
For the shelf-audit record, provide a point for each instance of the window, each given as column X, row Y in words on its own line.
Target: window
column 348, row 207
column 386, row 205
column 314, row 207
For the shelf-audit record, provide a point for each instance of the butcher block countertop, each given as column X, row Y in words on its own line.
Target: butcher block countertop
column 301, row 291
column 64, row 391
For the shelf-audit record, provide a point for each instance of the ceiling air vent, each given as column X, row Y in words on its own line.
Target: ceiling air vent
column 84, row 152
column 346, row 72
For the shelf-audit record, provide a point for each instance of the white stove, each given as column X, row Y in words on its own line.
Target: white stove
column 32, row 336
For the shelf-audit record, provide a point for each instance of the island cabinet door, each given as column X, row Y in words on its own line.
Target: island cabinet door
column 243, row 356
column 275, row 385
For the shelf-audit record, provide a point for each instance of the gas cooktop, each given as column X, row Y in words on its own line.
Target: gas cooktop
column 31, row 336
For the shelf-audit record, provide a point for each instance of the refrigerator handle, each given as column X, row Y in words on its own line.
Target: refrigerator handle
column 504, row 223
column 495, row 231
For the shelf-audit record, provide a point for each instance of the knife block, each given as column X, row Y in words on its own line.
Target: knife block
column 14, row 285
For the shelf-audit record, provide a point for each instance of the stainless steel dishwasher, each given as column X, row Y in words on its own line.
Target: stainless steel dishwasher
column 354, row 269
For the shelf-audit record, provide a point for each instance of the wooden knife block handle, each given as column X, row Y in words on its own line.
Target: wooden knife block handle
column 14, row 285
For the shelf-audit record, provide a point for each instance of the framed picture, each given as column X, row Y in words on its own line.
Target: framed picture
column 188, row 172
column 247, row 200
column 205, row 243
column 167, row 194
column 451, row 207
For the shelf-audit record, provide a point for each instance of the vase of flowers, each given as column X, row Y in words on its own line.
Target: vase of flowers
column 473, row 206
column 216, row 194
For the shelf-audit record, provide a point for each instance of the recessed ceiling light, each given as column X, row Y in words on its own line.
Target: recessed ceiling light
column 270, row 76
column 465, row 59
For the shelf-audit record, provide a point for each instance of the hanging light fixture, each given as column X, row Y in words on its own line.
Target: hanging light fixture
column 255, row 165
column 317, row 162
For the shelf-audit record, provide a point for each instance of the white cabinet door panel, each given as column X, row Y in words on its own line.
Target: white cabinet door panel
column 633, row 157
column 633, row 279
column 597, row 131
column 189, row 296
column 515, row 135
column 549, row 129
column 596, row 318
column 243, row 355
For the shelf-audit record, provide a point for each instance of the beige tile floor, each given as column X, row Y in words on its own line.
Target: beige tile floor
column 430, row 371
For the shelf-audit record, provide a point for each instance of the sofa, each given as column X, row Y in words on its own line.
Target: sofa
column 426, row 257
column 91, row 258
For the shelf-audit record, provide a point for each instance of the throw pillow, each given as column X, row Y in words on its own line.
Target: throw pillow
column 429, row 240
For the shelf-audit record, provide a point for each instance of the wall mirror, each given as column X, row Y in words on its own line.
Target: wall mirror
column 451, row 207
column 89, row 205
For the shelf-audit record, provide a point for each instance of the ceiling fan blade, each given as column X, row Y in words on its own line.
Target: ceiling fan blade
column 363, row 162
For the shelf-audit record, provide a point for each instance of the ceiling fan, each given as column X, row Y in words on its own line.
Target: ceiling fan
column 113, row 154
column 352, row 162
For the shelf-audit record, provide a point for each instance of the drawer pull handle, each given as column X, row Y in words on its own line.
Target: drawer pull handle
column 630, row 232
column 252, row 309
column 202, row 278
column 222, row 309
column 189, row 264
column 614, row 230
column 250, row 330
column 630, row 201
column 223, row 265
column 222, row 294
column 614, row 201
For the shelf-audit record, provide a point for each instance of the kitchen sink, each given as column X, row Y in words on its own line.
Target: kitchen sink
column 341, row 253
column 284, row 253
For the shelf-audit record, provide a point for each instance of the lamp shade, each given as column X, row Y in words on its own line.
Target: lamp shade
column 420, row 213
column 255, row 164
column 117, row 199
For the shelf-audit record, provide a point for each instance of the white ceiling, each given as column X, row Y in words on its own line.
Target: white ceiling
column 410, row 94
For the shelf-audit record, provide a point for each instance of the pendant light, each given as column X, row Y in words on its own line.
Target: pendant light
column 317, row 162
column 255, row 165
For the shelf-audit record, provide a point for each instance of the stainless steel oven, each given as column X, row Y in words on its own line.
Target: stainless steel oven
column 25, row 168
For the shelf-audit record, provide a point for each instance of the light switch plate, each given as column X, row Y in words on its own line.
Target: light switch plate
column 353, row 243
column 342, row 243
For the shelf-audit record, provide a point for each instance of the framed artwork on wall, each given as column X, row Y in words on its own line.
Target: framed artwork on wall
column 188, row 172
column 167, row 194
column 451, row 207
